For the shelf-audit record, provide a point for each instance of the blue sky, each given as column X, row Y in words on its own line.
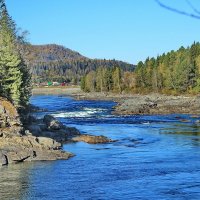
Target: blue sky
column 128, row 30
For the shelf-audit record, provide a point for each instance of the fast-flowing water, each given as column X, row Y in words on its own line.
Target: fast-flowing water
column 155, row 157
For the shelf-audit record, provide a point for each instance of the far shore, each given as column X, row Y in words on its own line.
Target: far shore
column 133, row 103
column 58, row 90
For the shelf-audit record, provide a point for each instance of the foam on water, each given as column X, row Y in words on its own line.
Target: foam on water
column 84, row 113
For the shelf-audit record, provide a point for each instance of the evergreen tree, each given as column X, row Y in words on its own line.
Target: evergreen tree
column 117, row 80
column 173, row 73
column 83, row 83
column 15, row 78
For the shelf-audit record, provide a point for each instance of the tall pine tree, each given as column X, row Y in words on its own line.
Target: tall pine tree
column 15, row 78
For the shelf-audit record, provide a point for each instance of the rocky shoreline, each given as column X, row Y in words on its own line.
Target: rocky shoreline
column 158, row 104
column 151, row 104
column 18, row 144
column 137, row 104
column 36, row 139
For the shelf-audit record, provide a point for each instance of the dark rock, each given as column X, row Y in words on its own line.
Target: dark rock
column 70, row 131
column 43, row 127
column 52, row 123
column 34, row 129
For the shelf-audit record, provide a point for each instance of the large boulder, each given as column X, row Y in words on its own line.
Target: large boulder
column 52, row 123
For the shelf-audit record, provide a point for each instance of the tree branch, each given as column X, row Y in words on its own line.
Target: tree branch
column 180, row 11
column 193, row 8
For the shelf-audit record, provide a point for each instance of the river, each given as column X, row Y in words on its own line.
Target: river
column 155, row 157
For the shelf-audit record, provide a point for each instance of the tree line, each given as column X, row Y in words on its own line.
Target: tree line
column 175, row 72
column 15, row 80
column 105, row 79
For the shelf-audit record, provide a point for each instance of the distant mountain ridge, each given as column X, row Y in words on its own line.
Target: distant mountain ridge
column 53, row 62
column 51, row 52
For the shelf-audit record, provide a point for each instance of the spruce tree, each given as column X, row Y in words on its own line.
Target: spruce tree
column 15, row 79
column 116, row 76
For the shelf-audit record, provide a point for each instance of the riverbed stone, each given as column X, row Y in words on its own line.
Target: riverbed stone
column 91, row 139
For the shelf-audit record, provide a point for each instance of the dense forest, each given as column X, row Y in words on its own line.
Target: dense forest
column 171, row 73
column 57, row 63
column 15, row 80
column 108, row 79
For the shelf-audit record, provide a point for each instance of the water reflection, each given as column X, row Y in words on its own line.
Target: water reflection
column 14, row 181
column 18, row 181
column 181, row 128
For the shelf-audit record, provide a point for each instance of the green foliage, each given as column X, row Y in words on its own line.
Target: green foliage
column 116, row 77
column 15, row 78
column 108, row 79
column 174, row 73
column 83, row 83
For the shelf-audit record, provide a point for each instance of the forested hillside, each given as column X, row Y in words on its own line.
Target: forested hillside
column 57, row 63
column 171, row 73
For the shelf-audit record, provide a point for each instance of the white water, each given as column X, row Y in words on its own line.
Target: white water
column 86, row 112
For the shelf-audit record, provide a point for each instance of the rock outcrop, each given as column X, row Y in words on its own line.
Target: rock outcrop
column 18, row 144
column 50, row 127
column 52, row 123
column 16, row 149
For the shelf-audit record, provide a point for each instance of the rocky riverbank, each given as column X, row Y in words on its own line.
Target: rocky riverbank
column 36, row 139
column 137, row 103
column 128, row 104
column 158, row 104
column 18, row 144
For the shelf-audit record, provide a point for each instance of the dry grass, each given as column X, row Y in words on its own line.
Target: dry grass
column 9, row 107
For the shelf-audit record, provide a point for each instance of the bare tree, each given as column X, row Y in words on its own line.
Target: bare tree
column 194, row 14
